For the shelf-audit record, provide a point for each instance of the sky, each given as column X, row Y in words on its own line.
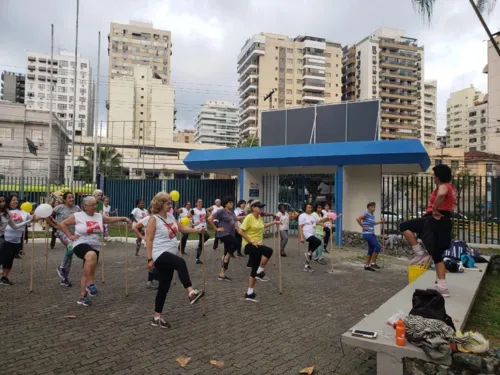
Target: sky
column 207, row 36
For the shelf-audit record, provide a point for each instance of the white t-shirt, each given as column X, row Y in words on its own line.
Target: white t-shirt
column 184, row 212
column 284, row 221
column 199, row 218
column 145, row 222
column 309, row 224
column 89, row 228
column 106, row 210
column 15, row 235
column 325, row 214
column 165, row 236
column 139, row 214
column 215, row 209
column 239, row 212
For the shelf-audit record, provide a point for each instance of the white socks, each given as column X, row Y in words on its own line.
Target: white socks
column 250, row 291
column 442, row 284
column 191, row 293
column 259, row 270
column 417, row 249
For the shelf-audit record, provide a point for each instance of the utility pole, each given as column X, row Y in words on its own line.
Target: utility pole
column 72, row 175
column 270, row 97
column 96, row 109
column 51, row 85
column 480, row 16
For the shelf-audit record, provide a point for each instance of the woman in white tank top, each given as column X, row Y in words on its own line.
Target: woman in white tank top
column 161, row 250
column 89, row 227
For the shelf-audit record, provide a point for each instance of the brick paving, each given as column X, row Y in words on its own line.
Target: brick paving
column 280, row 335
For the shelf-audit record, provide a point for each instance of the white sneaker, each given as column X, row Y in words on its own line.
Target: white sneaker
column 307, row 268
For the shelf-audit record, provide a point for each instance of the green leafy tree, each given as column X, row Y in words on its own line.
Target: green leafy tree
column 109, row 163
column 249, row 142
column 480, row 7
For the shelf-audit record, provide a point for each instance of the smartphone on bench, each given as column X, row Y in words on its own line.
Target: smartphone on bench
column 364, row 334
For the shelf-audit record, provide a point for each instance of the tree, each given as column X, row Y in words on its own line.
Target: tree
column 480, row 7
column 249, row 142
column 463, row 181
column 109, row 163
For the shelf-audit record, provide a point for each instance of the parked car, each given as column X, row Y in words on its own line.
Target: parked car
column 460, row 220
column 392, row 220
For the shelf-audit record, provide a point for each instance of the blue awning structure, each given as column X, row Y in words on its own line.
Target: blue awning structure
column 397, row 152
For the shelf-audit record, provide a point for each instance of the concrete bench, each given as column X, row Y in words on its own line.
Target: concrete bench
column 463, row 289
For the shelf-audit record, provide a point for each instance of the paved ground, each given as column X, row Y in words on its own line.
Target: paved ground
column 280, row 335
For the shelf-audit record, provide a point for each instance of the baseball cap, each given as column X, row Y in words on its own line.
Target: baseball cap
column 257, row 204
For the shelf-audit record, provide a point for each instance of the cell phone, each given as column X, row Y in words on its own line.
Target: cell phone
column 365, row 334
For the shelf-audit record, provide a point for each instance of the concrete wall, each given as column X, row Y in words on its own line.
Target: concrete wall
column 362, row 184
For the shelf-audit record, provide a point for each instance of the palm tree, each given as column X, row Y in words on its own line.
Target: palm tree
column 425, row 7
column 109, row 164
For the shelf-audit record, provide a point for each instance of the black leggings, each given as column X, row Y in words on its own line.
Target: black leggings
column 238, row 237
column 53, row 238
column 7, row 253
column 328, row 232
column 184, row 239
column 165, row 266
column 198, row 250
column 314, row 242
column 255, row 254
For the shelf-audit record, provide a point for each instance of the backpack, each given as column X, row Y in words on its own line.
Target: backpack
column 451, row 265
column 429, row 304
column 467, row 261
column 456, row 250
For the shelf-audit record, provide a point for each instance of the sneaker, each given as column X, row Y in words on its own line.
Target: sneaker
column 251, row 297
column 195, row 296
column 92, row 290
column 368, row 268
column 307, row 268
column 320, row 261
column 160, row 322
column 198, row 261
column 223, row 278
column 183, row 253
column 66, row 283
column 84, row 301
column 5, row 281
column 308, row 257
column 419, row 258
column 325, row 250
column 262, row 277
column 249, row 265
column 240, row 255
column 375, row 266
column 283, row 255
column 444, row 291
column 61, row 272
column 151, row 285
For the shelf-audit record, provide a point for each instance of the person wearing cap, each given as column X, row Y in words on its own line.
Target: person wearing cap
column 212, row 210
column 224, row 230
column 252, row 232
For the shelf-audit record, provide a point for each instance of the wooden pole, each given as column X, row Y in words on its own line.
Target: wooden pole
column 126, row 260
column 46, row 250
column 383, row 245
column 32, row 255
column 203, row 270
column 102, row 257
column 274, row 243
column 280, row 274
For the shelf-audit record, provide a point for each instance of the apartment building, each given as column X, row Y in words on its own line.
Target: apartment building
column 217, row 124
column 457, row 116
column 453, row 157
column 477, row 129
column 429, row 130
column 388, row 65
column 38, row 88
column 140, row 109
column 302, row 71
column 441, row 140
column 493, row 71
column 12, row 87
column 139, row 44
column 184, row 136
column 18, row 123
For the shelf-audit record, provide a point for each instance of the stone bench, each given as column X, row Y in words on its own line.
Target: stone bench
column 463, row 289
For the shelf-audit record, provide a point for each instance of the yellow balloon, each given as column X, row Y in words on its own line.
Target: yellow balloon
column 27, row 207
column 185, row 221
column 175, row 195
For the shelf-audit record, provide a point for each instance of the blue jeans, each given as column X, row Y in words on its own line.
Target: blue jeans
column 373, row 244
column 318, row 253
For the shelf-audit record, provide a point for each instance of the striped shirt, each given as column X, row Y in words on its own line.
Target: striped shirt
column 368, row 222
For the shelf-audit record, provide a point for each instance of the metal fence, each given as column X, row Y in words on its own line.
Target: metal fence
column 124, row 193
column 476, row 216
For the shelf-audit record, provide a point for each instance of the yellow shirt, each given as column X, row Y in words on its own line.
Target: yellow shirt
column 254, row 228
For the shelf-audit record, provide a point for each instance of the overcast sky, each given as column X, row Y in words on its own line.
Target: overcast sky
column 207, row 35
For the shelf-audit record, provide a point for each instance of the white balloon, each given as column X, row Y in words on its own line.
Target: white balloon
column 43, row 211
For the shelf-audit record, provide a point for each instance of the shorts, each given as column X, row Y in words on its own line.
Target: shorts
column 82, row 249
column 435, row 234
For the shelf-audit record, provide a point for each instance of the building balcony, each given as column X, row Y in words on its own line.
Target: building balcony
column 311, row 53
column 399, row 75
column 253, row 53
column 398, row 85
column 251, row 79
column 251, row 109
column 313, row 97
column 248, row 99
column 396, row 95
column 42, row 59
column 314, row 63
column 308, row 74
column 248, row 131
column 398, row 135
column 400, row 55
column 250, row 68
column 42, row 78
column 389, row 125
column 31, row 68
column 393, row 45
column 399, row 106
column 30, row 76
column 248, row 89
column 313, row 87
column 31, row 58
column 398, row 65
column 398, row 115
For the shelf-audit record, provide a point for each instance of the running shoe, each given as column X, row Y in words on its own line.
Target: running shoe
column 308, row 257
column 5, row 281
column 223, row 278
column 307, row 268
column 66, row 283
column 283, row 255
column 92, row 290
column 198, row 261
column 151, row 285
column 368, row 268
column 420, row 257
column 444, row 291
column 195, row 296
column 239, row 255
column 325, row 250
column 262, row 277
column 160, row 322
column 249, row 265
column 375, row 266
column 61, row 272
column 251, row 297
column 84, row 301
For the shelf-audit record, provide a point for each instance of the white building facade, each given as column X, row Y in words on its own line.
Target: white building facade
column 217, row 124
column 37, row 93
column 429, row 130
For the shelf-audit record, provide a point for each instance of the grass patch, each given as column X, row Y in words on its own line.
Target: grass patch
column 489, row 251
column 485, row 314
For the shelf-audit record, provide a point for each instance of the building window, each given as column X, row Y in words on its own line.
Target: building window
column 299, row 71
column 289, row 61
column 289, row 81
column 289, row 91
column 328, row 54
column 289, row 71
column 298, row 91
column 299, row 101
column 289, row 50
column 289, row 101
column 142, row 97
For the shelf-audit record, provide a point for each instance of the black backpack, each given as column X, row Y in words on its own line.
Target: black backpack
column 429, row 304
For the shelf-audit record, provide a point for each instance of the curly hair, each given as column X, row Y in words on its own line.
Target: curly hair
column 159, row 201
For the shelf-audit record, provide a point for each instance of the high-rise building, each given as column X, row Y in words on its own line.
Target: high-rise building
column 388, row 65
column 457, row 116
column 184, row 136
column 217, row 124
column 63, row 96
column 12, row 87
column 139, row 44
column 493, row 70
column 140, row 109
column 429, row 130
column 477, row 130
column 301, row 71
